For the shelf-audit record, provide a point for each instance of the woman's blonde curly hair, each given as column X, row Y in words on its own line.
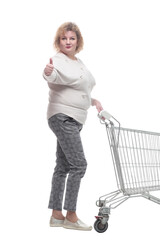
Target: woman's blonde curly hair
column 68, row 26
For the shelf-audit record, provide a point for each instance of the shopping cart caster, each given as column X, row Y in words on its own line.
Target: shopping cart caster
column 100, row 225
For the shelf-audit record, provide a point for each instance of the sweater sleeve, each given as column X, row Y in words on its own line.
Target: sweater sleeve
column 56, row 76
column 59, row 78
column 60, row 72
column 52, row 78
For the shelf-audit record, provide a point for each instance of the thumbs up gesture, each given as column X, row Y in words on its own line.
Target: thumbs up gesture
column 49, row 68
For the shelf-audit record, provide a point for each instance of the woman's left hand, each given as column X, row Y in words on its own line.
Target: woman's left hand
column 97, row 104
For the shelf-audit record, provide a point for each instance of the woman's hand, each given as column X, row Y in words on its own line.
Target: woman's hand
column 49, row 68
column 97, row 104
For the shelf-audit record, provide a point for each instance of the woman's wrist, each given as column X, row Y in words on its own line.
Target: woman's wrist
column 97, row 104
column 93, row 101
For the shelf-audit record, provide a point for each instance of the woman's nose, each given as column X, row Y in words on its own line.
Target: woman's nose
column 68, row 41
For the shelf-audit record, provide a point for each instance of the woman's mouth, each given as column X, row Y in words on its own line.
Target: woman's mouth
column 68, row 47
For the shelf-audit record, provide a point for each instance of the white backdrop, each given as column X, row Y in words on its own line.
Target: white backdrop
column 122, row 51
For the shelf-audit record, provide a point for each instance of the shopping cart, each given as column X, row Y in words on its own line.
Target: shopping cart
column 136, row 160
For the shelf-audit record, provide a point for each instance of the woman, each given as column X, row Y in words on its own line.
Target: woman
column 70, row 86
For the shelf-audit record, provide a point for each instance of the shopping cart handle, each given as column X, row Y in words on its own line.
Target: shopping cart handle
column 104, row 115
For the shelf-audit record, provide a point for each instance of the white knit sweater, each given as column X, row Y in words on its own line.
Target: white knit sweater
column 70, row 86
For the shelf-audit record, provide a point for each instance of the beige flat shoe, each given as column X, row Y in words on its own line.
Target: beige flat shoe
column 56, row 222
column 79, row 225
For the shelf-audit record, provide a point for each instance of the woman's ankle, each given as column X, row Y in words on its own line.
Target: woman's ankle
column 57, row 214
column 72, row 216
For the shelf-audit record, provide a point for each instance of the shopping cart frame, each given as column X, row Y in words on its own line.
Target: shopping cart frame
column 136, row 161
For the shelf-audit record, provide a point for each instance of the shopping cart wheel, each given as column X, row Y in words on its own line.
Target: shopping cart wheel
column 99, row 226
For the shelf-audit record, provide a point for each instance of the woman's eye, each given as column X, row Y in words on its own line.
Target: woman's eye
column 64, row 38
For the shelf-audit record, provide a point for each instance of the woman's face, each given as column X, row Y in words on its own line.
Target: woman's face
column 68, row 43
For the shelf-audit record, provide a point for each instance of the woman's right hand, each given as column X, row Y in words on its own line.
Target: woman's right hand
column 49, row 68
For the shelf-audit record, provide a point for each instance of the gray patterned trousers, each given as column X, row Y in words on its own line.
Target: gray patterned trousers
column 70, row 161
